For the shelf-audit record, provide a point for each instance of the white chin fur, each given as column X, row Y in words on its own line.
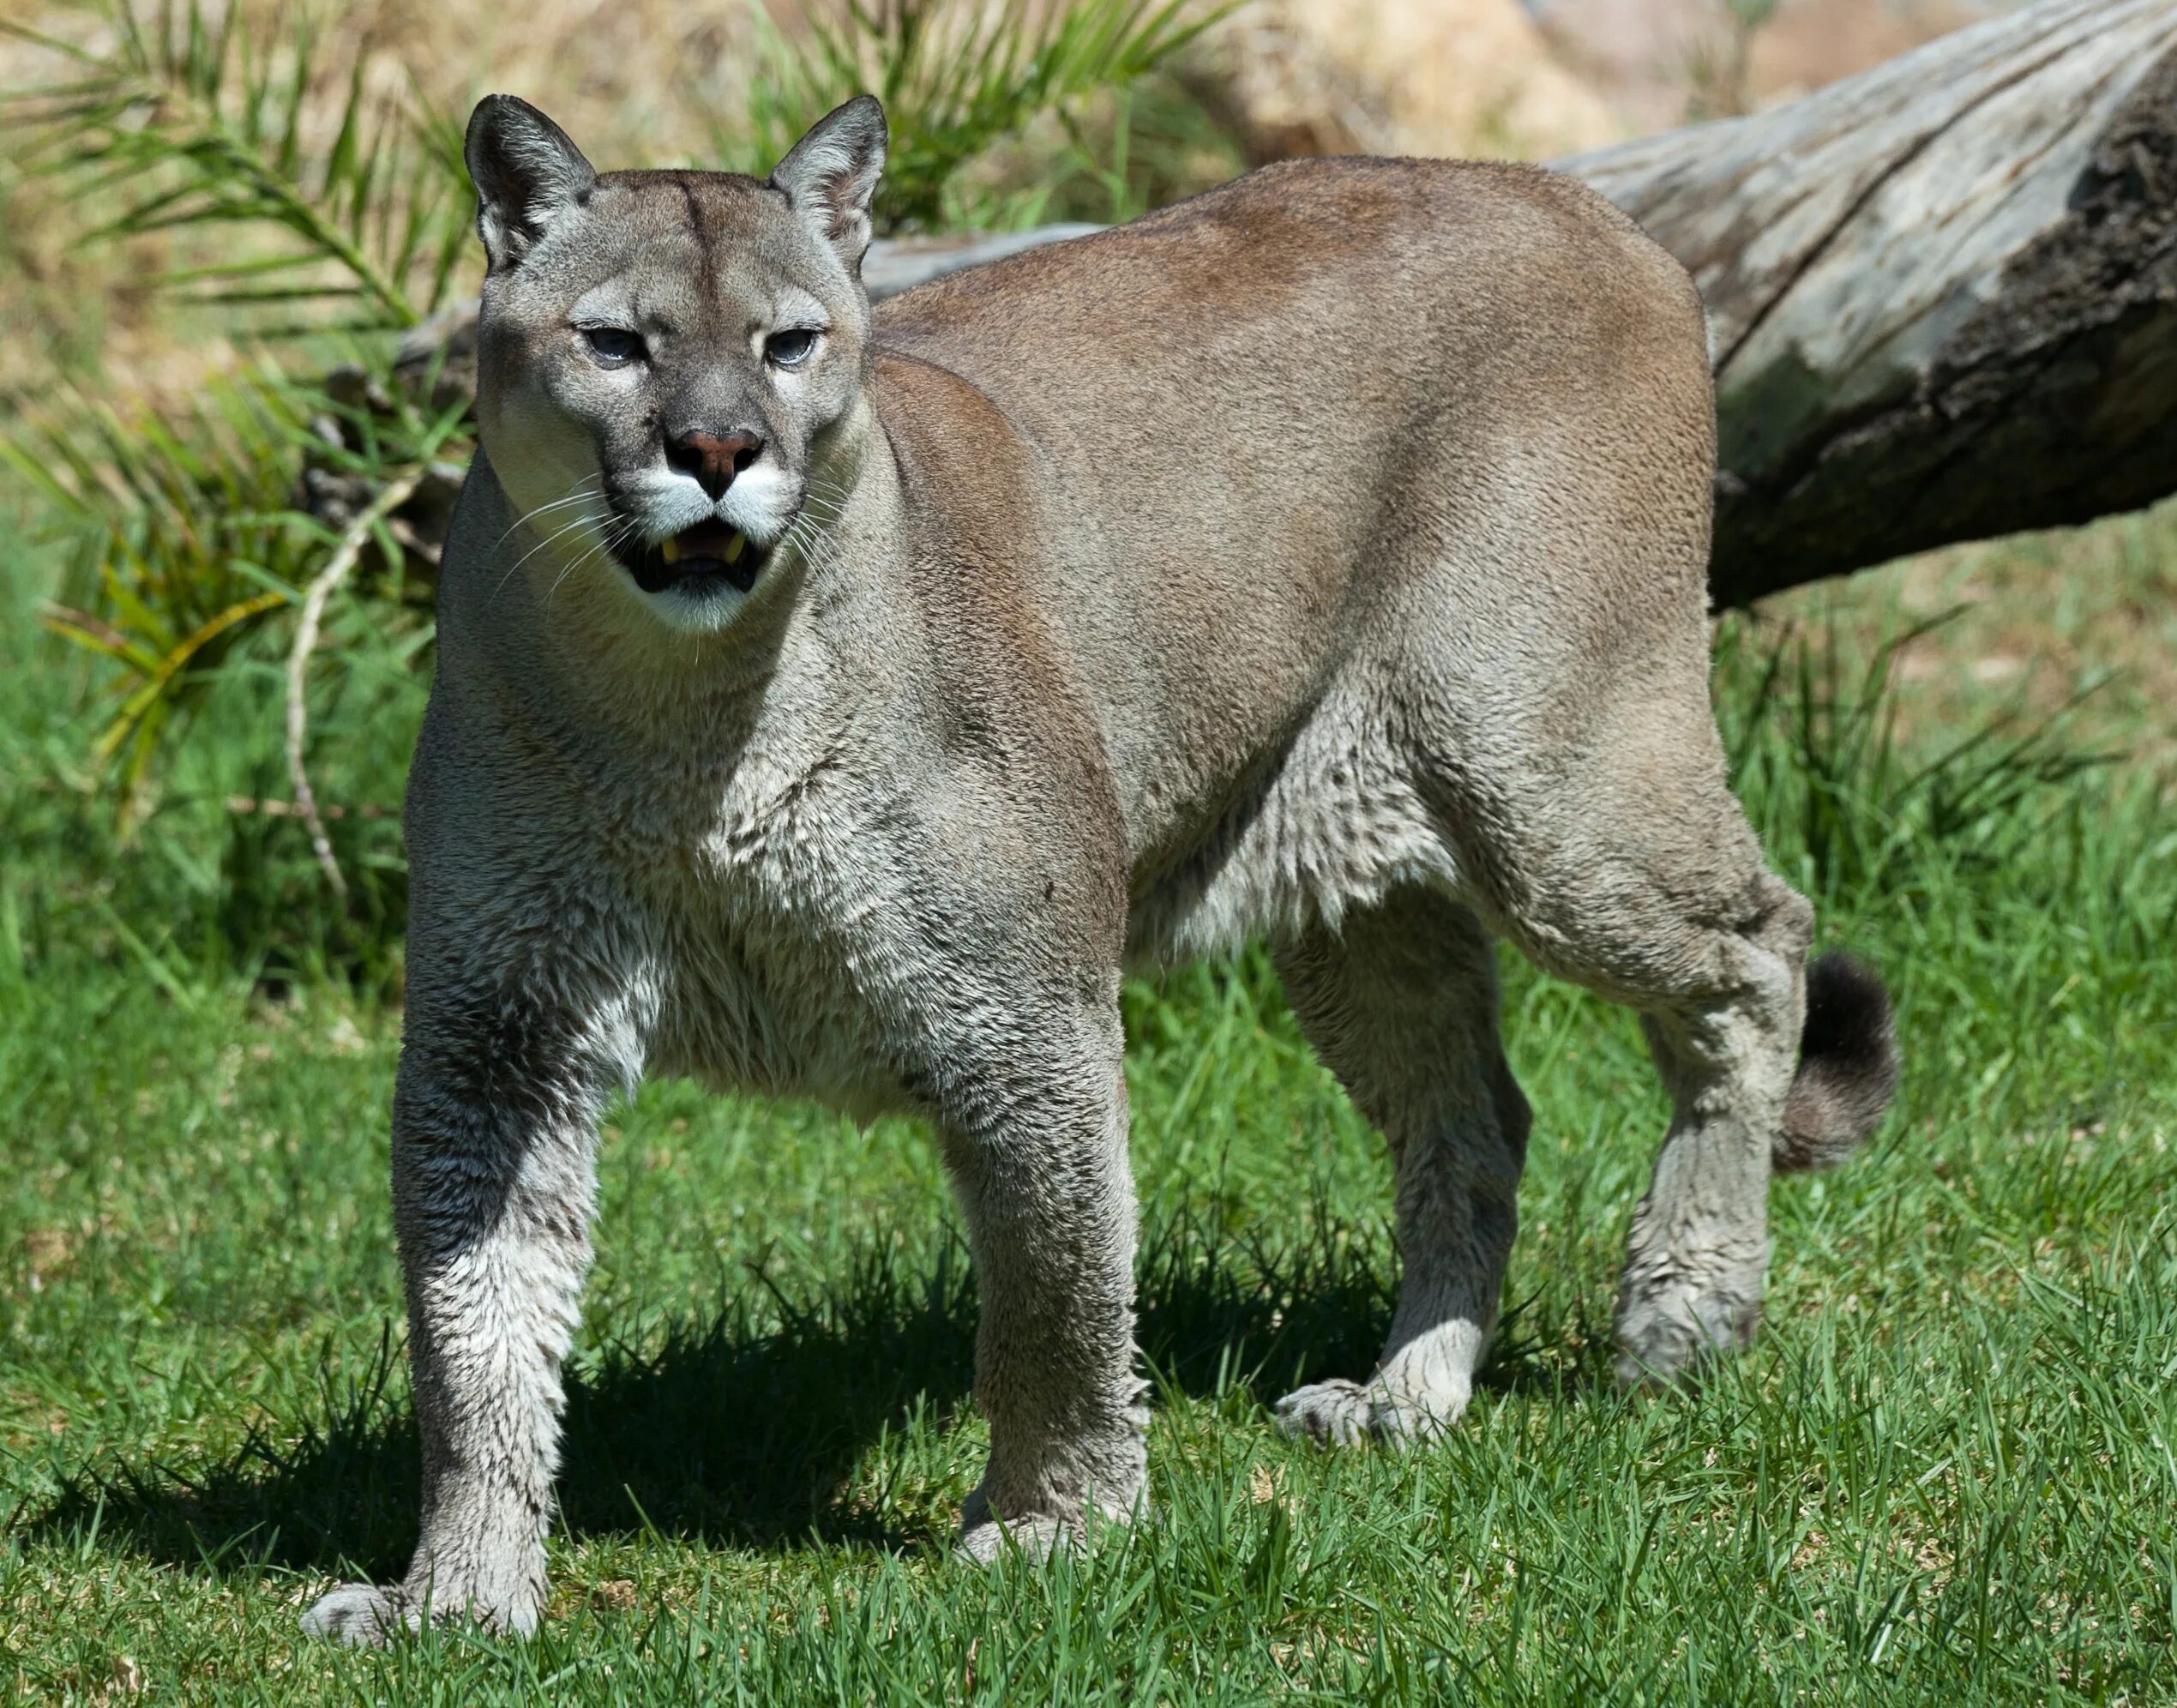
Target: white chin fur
column 666, row 502
column 693, row 607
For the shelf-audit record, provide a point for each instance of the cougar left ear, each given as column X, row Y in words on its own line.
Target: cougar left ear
column 832, row 173
column 527, row 172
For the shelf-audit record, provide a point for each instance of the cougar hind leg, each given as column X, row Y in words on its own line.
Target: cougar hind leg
column 1400, row 1003
column 1641, row 879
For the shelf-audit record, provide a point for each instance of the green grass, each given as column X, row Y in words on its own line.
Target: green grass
column 1948, row 1473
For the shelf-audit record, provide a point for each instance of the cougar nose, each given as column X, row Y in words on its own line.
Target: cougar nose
column 711, row 458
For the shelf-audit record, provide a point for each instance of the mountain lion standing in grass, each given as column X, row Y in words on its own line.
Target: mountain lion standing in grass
column 833, row 704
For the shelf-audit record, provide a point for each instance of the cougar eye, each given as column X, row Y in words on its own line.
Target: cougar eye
column 789, row 348
column 613, row 347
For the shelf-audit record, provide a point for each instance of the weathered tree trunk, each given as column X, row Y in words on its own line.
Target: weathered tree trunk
column 1942, row 295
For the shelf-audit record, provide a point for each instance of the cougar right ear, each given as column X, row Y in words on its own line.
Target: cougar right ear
column 830, row 175
column 527, row 172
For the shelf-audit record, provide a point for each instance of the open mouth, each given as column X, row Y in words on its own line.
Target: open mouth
column 708, row 555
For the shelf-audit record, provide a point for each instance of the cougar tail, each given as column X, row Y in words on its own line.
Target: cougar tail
column 1848, row 1067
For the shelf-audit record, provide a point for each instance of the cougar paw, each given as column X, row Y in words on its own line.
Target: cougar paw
column 1037, row 1539
column 1665, row 1339
column 361, row 1616
column 1338, row 1413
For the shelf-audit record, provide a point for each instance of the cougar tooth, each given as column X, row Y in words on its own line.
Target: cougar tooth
column 670, row 550
column 733, row 547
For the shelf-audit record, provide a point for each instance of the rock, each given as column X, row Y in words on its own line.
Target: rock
column 1471, row 77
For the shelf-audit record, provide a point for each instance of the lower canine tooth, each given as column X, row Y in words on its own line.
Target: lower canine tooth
column 733, row 547
column 671, row 552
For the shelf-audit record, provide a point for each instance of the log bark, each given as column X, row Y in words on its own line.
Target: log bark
column 1942, row 295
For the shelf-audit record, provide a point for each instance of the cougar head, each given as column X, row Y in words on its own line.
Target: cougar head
column 666, row 358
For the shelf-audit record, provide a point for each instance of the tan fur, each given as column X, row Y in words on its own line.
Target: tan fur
column 1321, row 558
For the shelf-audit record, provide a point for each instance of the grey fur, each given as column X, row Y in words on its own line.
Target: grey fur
column 1321, row 558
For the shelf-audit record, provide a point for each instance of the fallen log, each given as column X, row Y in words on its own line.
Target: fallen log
column 1942, row 295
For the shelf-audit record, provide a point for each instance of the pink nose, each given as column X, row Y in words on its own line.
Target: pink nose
column 711, row 458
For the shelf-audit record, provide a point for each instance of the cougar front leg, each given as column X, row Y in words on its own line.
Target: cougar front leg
column 493, row 1187
column 1038, row 1154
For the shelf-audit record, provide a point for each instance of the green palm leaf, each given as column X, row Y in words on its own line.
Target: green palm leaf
column 956, row 77
column 197, row 122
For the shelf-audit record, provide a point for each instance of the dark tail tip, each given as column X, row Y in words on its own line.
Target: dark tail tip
column 1848, row 1067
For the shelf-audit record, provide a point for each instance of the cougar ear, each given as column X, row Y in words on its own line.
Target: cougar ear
column 831, row 174
column 527, row 172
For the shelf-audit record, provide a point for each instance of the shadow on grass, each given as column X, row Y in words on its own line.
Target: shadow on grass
column 740, row 1430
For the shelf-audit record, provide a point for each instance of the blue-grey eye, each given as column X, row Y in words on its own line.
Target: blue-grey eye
column 791, row 347
column 613, row 347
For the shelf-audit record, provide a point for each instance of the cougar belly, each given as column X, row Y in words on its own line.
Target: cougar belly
column 1329, row 822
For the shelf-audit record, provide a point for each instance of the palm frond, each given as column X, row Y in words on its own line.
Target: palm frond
column 196, row 120
column 955, row 77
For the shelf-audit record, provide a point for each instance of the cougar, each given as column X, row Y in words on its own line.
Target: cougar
column 834, row 703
